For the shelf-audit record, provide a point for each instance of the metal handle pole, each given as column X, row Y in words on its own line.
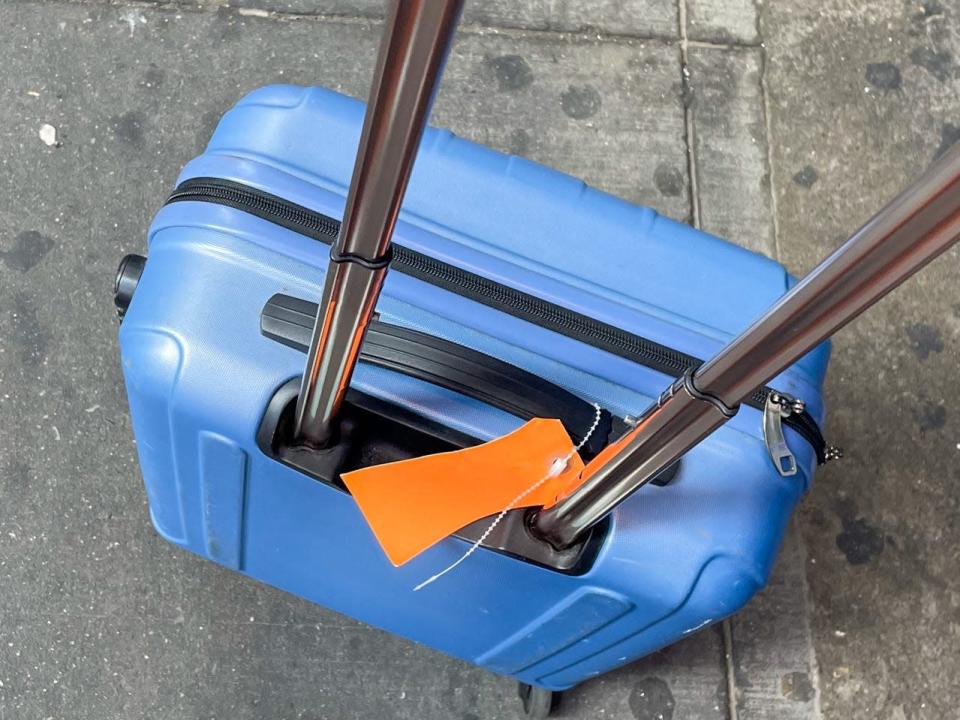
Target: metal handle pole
column 416, row 40
column 913, row 229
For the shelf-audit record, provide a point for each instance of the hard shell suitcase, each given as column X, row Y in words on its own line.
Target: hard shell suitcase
column 514, row 292
column 604, row 300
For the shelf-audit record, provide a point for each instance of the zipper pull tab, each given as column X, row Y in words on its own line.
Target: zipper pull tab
column 776, row 408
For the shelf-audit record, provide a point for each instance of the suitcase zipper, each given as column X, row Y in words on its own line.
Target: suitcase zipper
column 488, row 292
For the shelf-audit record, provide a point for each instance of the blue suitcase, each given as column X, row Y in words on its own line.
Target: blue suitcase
column 515, row 291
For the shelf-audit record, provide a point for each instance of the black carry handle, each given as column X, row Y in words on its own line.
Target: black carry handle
column 913, row 229
column 289, row 320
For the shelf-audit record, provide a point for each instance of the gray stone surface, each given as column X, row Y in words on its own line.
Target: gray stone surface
column 863, row 96
column 723, row 21
column 733, row 180
column 685, row 680
column 100, row 618
column 636, row 18
column 609, row 113
column 772, row 646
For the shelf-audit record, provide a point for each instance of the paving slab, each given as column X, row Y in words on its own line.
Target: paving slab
column 101, row 618
column 733, row 180
column 635, row 18
column 770, row 645
column 729, row 22
column 607, row 112
column 773, row 659
column 863, row 97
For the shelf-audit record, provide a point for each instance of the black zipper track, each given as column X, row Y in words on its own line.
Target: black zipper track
column 480, row 289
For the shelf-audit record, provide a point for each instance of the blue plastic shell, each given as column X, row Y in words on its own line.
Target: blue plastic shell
column 199, row 375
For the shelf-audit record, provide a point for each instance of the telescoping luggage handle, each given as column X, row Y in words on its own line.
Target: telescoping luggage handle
column 914, row 228
column 416, row 40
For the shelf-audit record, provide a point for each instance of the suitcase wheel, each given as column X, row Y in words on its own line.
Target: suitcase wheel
column 128, row 275
column 538, row 703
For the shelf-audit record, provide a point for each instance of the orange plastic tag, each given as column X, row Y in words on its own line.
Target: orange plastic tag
column 412, row 504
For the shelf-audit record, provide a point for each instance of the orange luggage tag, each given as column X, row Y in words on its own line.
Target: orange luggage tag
column 412, row 504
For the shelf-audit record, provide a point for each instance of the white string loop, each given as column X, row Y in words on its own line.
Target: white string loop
column 556, row 468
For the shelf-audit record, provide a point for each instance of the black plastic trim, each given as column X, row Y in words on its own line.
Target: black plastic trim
column 690, row 386
column 289, row 320
column 375, row 264
column 514, row 302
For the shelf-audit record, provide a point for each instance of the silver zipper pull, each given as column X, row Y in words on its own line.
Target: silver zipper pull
column 789, row 405
column 776, row 408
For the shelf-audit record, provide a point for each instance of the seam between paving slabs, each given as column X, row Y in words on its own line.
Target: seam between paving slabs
column 694, row 190
column 693, row 168
column 586, row 34
column 763, row 80
column 768, row 130
column 688, row 126
column 812, row 654
column 708, row 45
column 733, row 710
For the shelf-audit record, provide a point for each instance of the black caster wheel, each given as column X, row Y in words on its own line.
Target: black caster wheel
column 128, row 275
column 538, row 703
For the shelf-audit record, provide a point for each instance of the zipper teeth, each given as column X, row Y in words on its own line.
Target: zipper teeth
column 423, row 265
column 808, row 428
column 322, row 227
column 663, row 357
column 319, row 224
column 404, row 258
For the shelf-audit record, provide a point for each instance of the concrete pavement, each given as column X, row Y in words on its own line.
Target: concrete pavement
column 777, row 126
